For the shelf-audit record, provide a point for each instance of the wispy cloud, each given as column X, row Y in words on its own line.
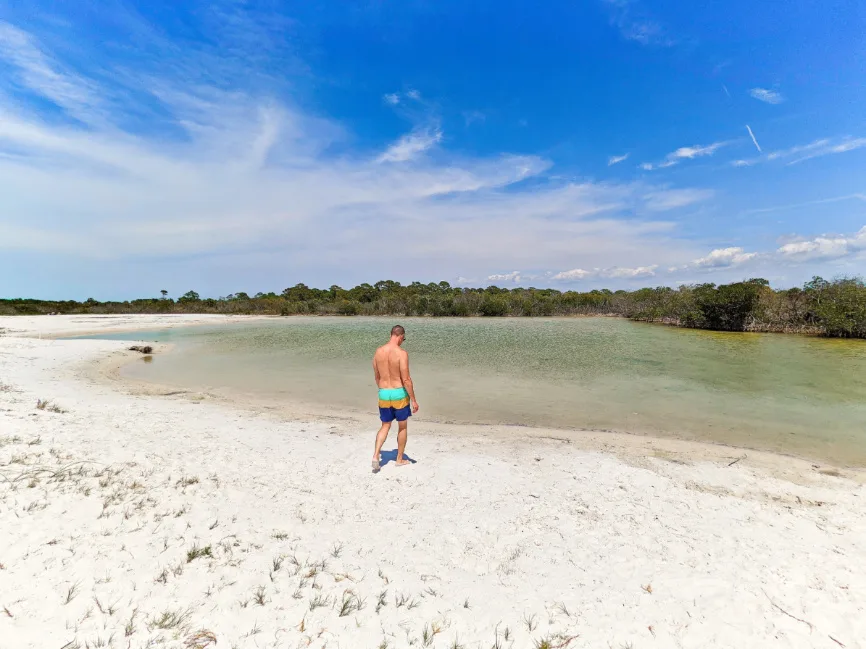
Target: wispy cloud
column 233, row 180
column 672, row 199
column 398, row 98
column 411, row 145
column 684, row 153
column 801, row 153
column 635, row 24
column 40, row 74
column 616, row 159
column 767, row 95
column 754, row 139
column 472, row 116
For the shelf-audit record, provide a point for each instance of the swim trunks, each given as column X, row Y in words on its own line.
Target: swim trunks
column 394, row 404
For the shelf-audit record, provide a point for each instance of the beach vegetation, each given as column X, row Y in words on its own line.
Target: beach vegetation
column 834, row 307
column 49, row 406
column 201, row 639
column 71, row 593
column 196, row 552
column 169, row 619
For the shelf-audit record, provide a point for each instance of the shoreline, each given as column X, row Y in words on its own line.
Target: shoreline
column 789, row 330
column 627, row 446
column 180, row 520
column 623, row 443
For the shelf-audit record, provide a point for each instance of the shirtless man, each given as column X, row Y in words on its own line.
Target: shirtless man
column 396, row 392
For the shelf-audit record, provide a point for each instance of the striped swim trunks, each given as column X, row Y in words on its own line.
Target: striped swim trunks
column 394, row 404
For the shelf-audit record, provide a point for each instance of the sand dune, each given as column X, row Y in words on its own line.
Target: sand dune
column 133, row 520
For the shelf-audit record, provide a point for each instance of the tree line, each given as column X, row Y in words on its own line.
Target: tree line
column 824, row 307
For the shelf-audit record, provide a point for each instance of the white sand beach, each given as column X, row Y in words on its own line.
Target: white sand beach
column 157, row 518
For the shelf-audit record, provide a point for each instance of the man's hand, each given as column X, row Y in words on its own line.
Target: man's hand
column 414, row 406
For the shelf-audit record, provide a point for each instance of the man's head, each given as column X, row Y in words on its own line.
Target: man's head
column 399, row 333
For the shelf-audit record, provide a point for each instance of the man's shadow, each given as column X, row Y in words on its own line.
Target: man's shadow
column 391, row 456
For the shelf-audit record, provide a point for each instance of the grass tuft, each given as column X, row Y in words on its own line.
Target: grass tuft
column 429, row 633
column 319, row 601
column 71, row 593
column 350, row 603
column 46, row 404
column 129, row 627
column 169, row 619
column 382, row 602
column 196, row 552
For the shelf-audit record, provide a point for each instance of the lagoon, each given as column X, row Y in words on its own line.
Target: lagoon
column 791, row 394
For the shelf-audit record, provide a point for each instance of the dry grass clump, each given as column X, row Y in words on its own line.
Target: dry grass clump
column 187, row 481
column 47, row 404
column 200, row 639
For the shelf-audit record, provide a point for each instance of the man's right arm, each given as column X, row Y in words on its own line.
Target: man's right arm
column 407, row 380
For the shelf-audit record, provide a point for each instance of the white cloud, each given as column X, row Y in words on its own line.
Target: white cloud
column 391, row 98
column 37, row 72
column 616, row 159
column 802, row 152
column 766, row 95
column 799, row 250
column 684, row 153
column 229, row 183
column 577, row 273
column 754, row 139
column 471, row 116
column 513, row 276
column 636, row 25
column 691, row 152
column 609, row 273
column 414, row 94
column 631, row 273
column 824, row 247
column 671, row 199
column 723, row 258
column 411, row 145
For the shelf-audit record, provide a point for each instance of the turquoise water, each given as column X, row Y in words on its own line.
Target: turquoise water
column 784, row 393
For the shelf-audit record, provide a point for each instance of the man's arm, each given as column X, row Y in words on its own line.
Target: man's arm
column 376, row 371
column 407, row 380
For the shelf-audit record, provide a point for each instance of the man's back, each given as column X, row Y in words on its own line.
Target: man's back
column 387, row 360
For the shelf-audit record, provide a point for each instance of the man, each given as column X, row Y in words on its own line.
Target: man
column 396, row 393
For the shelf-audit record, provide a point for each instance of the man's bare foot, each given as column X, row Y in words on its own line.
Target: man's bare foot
column 376, row 465
column 402, row 462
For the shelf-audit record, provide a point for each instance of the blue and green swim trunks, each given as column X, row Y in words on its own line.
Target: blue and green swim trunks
column 394, row 404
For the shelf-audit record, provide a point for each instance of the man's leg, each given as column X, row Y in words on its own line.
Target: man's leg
column 402, row 434
column 381, row 436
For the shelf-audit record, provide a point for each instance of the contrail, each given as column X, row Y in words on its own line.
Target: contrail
column 752, row 135
column 727, row 92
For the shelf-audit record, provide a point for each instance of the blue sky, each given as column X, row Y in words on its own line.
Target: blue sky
column 244, row 146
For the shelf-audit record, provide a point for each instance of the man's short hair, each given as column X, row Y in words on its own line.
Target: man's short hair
column 397, row 330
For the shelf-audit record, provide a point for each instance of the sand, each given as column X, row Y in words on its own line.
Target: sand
column 133, row 519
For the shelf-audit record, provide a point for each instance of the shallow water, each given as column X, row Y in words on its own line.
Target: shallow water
column 784, row 393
